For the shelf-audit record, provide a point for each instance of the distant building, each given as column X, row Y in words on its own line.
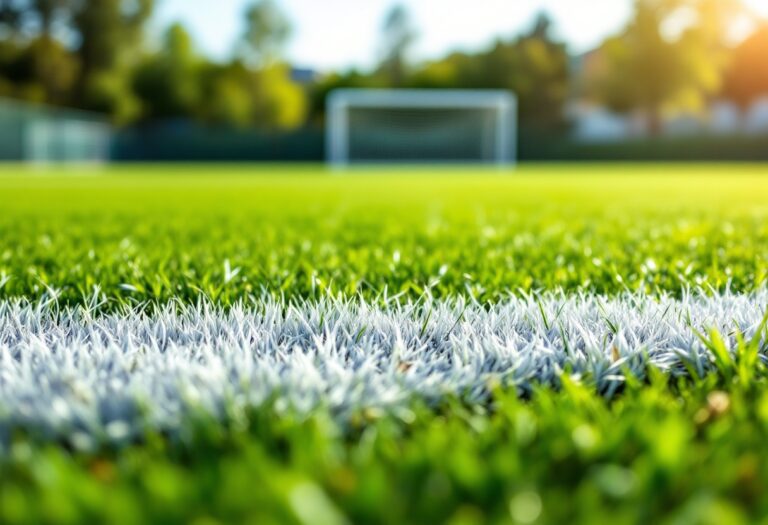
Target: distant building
column 724, row 118
column 597, row 124
column 756, row 120
column 684, row 124
column 593, row 123
column 304, row 76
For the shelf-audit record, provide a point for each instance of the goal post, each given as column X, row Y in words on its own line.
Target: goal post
column 374, row 126
column 44, row 134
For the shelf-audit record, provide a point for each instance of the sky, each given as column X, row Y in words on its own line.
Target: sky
column 338, row 34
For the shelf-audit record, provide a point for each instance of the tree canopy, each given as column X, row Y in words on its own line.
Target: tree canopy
column 669, row 57
column 746, row 78
column 267, row 31
column 398, row 35
column 672, row 55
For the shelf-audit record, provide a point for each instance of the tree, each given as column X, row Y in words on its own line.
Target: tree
column 352, row 78
column 228, row 97
column 110, row 34
column 10, row 17
column 33, row 17
column 267, row 31
column 167, row 84
column 276, row 101
column 38, row 66
column 74, row 52
column 715, row 18
column 51, row 66
column 240, row 96
column 279, row 103
column 49, row 11
column 398, row 37
column 647, row 70
column 746, row 78
column 534, row 66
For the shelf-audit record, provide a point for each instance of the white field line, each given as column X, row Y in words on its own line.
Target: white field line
column 105, row 376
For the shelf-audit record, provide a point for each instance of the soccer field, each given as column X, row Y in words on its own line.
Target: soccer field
column 559, row 343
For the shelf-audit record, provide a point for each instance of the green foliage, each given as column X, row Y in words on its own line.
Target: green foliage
column 48, row 62
column 353, row 78
column 147, row 233
column 110, row 33
column 42, row 70
column 280, row 104
column 111, row 70
column 746, row 77
column 534, row 66
column 660, row 63
column 229, row 100
column 267, row 30
column 167, row 84
column 176, row 83
column 398, row 35
column 671, row 57
column 90, row 70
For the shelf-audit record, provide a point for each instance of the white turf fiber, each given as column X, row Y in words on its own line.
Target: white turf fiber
column 90, row 376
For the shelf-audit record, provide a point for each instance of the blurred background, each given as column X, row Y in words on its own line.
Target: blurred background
column 244, row 80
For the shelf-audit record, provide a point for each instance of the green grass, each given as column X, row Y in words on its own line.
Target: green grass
column 663, row 451
column 144, row 233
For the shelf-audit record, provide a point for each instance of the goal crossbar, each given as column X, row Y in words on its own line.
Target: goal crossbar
column 501, row 104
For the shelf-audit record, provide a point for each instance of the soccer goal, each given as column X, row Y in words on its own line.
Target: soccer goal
column 41, row 134
column 372, row 126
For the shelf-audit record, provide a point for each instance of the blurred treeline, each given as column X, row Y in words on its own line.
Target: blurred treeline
column 674, row 55
column 96, row 55
column 533, row 65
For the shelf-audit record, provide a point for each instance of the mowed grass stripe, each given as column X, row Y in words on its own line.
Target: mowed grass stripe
column 76, row 372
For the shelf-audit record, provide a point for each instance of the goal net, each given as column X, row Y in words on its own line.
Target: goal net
column 44, row 134
column 369, row 126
